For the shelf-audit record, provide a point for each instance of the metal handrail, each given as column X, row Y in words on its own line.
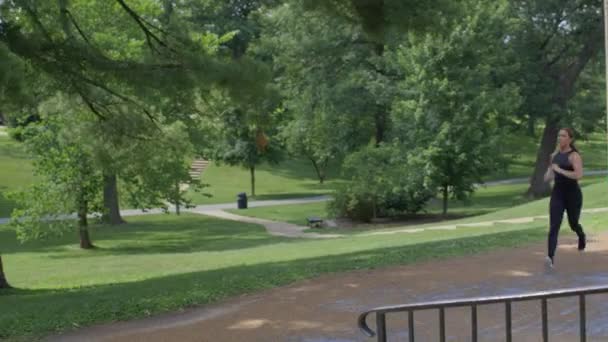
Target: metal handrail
column 474, row 303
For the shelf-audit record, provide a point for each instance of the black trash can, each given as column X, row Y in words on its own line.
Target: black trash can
column 242, row 200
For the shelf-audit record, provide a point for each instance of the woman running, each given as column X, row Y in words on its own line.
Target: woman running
column 566, row 169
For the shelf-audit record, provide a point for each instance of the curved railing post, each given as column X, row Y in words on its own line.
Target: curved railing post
column 544, row 296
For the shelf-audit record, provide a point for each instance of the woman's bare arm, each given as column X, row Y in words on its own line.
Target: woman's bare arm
column 550, row 174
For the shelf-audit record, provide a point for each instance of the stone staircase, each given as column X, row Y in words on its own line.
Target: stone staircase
column 197, row 168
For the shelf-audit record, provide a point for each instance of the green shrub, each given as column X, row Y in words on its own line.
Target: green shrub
column 384, row 181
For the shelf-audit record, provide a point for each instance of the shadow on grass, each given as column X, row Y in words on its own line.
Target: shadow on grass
column 12, row 148
column 43, row 312
column 6, row 205
column 151, row 235
column 9, row 243
column 25, row 292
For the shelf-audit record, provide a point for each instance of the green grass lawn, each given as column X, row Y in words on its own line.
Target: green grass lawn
column 524, row 148
column 289, row 179
column 15, row 171
column 295, row 214
column 161, row 263
column 485, row 201
column 594, row 196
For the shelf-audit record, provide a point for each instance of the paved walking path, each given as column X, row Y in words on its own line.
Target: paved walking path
column 286, row 229
column 222, row 206
column 518, row 220
column 272, row 227
column 325, row 309
column 290, row 230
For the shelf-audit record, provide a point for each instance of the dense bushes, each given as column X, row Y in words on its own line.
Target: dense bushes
column 383, row 181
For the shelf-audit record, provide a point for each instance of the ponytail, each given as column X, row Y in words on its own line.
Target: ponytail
column 573, row 147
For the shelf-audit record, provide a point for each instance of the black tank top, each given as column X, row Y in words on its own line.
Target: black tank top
column 561, row 159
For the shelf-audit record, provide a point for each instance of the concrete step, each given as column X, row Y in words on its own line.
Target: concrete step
column 197, row 168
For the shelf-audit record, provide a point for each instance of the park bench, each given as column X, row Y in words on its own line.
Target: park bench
column 314, row 222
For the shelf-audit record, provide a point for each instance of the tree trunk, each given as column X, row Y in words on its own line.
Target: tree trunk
column 252, row 171
column 532, row 127
column 110, row 201
column 445, row 199
column 83, row 227
column 3, row 282
column 85, row 240
column 320, row 169
column 565, row 89
column 166, row 16
column 538, row 187
column 374, row 209
column 177, row 212
column 381, row 115
column 606, row 59
column 380, row 122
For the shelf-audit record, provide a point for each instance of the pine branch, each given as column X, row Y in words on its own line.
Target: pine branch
column 150, row 36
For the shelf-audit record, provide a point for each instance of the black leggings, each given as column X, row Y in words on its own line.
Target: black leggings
column 570, row 199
